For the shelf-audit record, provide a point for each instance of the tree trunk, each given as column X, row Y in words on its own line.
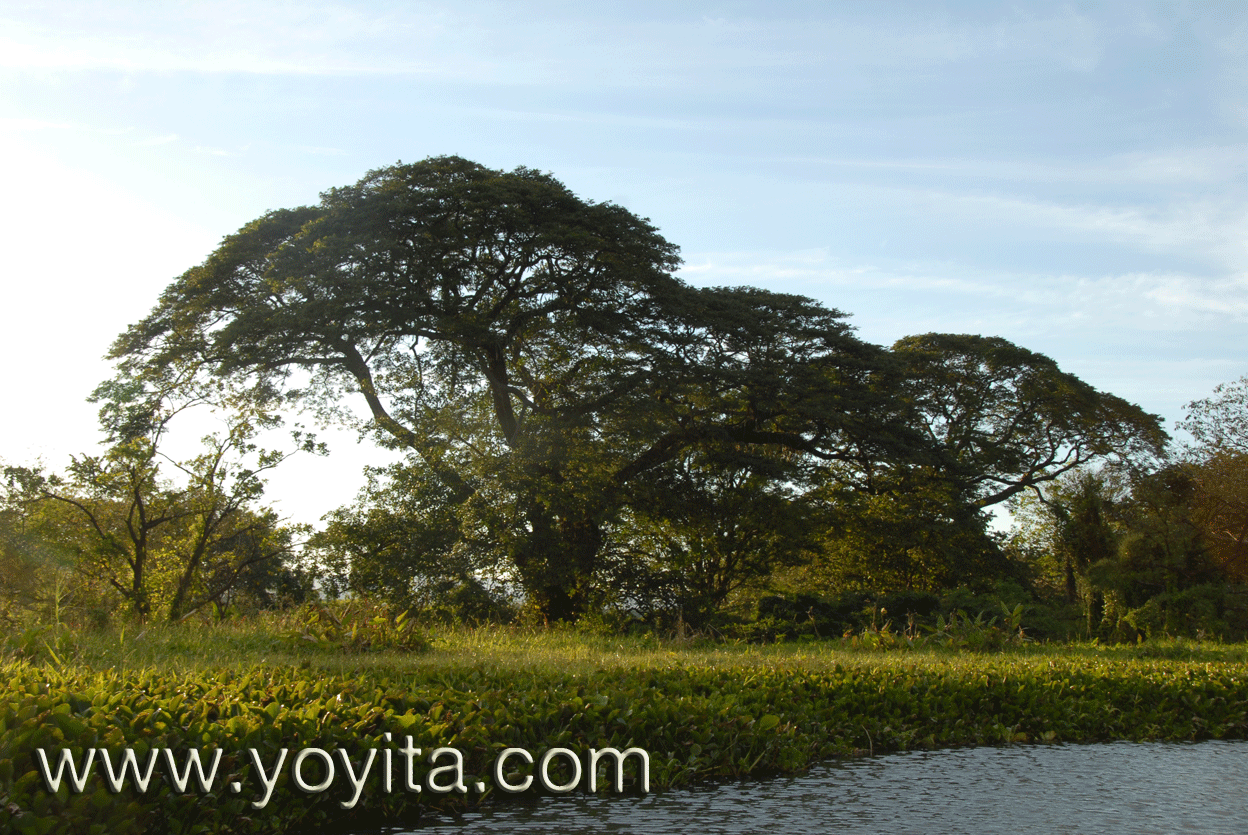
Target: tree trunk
column 557, row 561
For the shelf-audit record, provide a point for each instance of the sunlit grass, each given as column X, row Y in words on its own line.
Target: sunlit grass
column 702, row 709
column 277, row 640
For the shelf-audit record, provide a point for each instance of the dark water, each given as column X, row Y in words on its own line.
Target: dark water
column 1111, row 788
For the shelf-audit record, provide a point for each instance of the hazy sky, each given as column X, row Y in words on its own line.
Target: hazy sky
column 1071, row 177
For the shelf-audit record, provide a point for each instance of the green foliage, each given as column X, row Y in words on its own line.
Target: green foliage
column 357, row 627
column 397, row 543
column 892, row 620
column 920, row 536
column 1202, row 611
column 1006, row 419
column 997, row 420
column 911, row 616
column 701, row 713
column 1219, row 510
column 48, row 643
column 585, row 434
column 1218, row 466
column 825, row 617
column 532, row 351
column 163, row 544
column 1137, row 560
column 1219, row 423
column 959, row 631
column 710, row 527
column 1154, row 552
column 38, row 577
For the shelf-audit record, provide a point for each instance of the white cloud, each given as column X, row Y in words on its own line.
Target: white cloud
column 1209, row 225
column 1226, row 297
column 230, row 37
column 1158, row 339
column 1202, row 164
column 526, row 44
column 1139, row 300
column 1212, row 229
column 159, row 140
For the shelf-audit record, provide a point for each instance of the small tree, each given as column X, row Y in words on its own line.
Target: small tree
column 400, row 542
column 156, row 542
column 37, row 576
column 1219, row 423
column 1219, row 469
column 915, row 533
column 1086, row 541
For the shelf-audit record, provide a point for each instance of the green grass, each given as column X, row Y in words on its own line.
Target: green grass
column 278, row 641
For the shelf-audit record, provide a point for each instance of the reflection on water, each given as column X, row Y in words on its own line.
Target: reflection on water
column 1113, row 788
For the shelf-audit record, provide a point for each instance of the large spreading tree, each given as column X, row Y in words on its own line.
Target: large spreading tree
column 1005, row 419
column 533, row 352
column 996, row 420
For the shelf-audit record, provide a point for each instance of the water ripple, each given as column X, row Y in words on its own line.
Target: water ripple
column 1134, row 788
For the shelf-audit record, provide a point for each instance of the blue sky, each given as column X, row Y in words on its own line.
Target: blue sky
column 1070, row 177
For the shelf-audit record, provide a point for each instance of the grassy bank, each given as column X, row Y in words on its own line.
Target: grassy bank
column 701, row 711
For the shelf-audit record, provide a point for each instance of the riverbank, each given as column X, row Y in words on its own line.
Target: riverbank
column 701, row 711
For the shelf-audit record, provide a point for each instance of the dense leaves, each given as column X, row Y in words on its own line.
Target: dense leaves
column 722, row 720
column 533, row 351
column 1006, row 419
column 172, row 545
column 1218, row 464
column 1155, row 551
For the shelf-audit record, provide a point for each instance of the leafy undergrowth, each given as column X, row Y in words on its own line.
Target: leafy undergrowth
column 702, row 712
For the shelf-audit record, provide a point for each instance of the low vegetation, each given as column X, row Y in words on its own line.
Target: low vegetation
column 702, row 709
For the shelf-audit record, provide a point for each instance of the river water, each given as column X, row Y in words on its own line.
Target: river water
column 1043, row 789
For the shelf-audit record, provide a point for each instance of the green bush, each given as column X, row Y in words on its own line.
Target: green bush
column 1210, row 610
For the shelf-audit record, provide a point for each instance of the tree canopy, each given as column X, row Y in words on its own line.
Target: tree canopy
column 533, row 351
column 1219, row 423
column 582, row 432
column 1218, row 464
column 1006, row 419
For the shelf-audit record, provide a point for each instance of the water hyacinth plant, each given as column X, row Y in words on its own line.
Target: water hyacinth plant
column 701, row 711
